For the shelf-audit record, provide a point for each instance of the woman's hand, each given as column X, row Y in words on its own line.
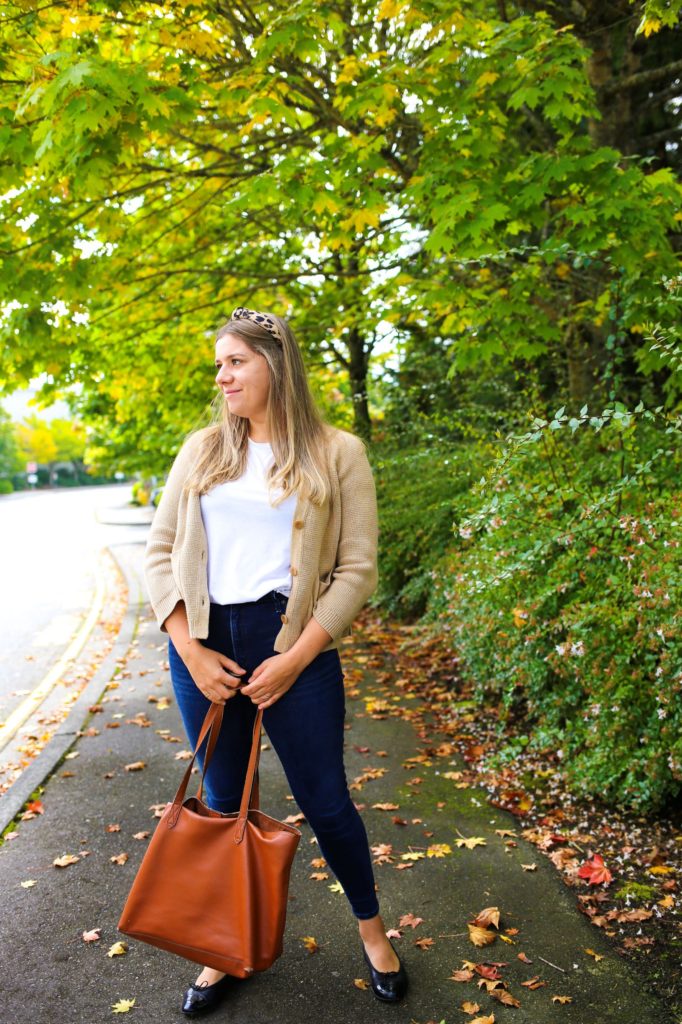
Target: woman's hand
column 208, row 670
column 271, row 679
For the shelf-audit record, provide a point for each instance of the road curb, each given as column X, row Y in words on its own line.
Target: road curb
column 47, row 760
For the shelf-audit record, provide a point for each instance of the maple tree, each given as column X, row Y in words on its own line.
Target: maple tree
column 371, row 169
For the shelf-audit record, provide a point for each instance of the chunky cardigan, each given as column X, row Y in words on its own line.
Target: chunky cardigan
column 333, row 548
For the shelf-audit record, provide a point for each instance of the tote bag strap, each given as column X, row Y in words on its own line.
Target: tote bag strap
column 210, row 747
column 213, row 721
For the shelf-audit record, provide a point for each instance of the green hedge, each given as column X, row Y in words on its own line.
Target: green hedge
column 555, row 573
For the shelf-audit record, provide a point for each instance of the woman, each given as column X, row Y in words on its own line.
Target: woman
column 262, row 551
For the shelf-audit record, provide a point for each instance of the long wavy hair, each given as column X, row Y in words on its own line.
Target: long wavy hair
column 298, row 434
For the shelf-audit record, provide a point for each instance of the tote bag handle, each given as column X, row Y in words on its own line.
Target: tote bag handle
column 250, row 794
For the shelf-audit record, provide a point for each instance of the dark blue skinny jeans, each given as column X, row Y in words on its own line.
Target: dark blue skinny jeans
column 306, row 728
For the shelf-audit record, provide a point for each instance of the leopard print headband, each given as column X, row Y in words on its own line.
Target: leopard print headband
column 262, row 319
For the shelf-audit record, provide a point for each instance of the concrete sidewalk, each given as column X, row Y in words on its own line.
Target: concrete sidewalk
column 51, row 976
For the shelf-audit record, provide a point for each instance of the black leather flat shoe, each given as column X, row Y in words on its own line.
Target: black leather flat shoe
column 201, row 999
column 389, row 986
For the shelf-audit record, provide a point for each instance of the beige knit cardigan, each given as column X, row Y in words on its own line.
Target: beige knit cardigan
column 333, row 548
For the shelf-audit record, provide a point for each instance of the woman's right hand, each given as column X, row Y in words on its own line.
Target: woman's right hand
column 208, row 670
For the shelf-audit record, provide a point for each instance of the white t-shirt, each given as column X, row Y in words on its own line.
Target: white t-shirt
column 249, row 541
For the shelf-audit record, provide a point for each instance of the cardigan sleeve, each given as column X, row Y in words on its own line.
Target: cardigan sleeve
column 161, row 585
column 356, row 574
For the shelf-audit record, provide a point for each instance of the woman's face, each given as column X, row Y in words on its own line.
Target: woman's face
column 243, row 376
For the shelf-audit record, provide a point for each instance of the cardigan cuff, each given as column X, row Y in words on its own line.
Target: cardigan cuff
column 165, row 606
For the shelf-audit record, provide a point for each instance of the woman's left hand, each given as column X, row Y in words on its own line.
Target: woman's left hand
column 271, row 680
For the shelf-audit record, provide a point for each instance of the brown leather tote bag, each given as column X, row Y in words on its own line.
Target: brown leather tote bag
column 213, row 887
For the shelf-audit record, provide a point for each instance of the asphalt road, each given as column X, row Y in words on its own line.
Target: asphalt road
column 50, row 544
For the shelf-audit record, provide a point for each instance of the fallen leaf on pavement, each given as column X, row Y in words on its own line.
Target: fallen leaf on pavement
column 92, row 936
column 471, row 842
column 135, row 766
column 65, row 860
column 120, row 858
column 504, row 997
column 29, row 883
column 486, row 917
column 123, row 1005
column 481, row 936
column 118, row 949
column 361, row 983
column 462, row 975
column 310, row 943
column 411, row 920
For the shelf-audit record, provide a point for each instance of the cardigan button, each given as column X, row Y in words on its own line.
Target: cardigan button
column 284, row 618
column 294, row 570
column 298, row 523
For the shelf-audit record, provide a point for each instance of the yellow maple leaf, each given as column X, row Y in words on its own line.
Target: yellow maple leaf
column 413, row 856
column 118, row 949
column 471, row 842
column 438, row 850
column 123, row 1005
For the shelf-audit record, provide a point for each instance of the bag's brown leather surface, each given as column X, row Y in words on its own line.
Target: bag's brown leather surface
column 213, row 887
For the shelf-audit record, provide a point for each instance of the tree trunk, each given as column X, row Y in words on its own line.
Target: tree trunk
column 357, row 373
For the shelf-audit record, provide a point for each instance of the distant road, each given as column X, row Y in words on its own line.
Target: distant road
column 49, row 545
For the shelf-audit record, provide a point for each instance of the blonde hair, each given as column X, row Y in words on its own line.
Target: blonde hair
column 296, row 429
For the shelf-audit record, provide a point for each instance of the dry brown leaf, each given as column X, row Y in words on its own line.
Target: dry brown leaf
column 411, row 920
column 135, row 766
column 120, row 858
column 480, row 936
column 65, row 860
column 562, row 999
column 504, row 997
column 462, row 975
column 360, row 983
column 534, row 982
column 310, row 943
column 486, row 917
